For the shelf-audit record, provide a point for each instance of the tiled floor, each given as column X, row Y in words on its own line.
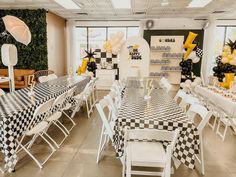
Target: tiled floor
column 77, row 156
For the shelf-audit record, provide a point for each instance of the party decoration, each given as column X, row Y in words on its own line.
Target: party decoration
column 226, row 63
column 199, row 52
column 31, row 83
column 187, row 67
column 83, row 67
column 115, row 43
column 229, row 77
column 134, row 54
column 91, row 65
column 189, row 44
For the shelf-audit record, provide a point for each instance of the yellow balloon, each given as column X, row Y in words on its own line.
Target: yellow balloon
column 190, row 39
column 232, row 62
column 226, row 48
column 83, row 67
column 234, row 52
column 224, row 54
column 225, row 60
column 230, row 57
column 107, row 46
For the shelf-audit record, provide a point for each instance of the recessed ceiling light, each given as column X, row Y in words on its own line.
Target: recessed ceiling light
column 68, row 4
column 198, row 3
column 165, row 3
column 121, row 4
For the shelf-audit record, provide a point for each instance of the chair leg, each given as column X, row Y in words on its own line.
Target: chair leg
column 49, row 137
column 32, row 141
column 202, row 156
column 100, row 144
column 128, row 166
column 53, row 149
column 63, row 131
column 28, row 152
column 87, row 107
column 218, row 130
column 72, row 121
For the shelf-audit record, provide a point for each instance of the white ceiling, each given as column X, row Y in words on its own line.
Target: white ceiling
column 103, row 10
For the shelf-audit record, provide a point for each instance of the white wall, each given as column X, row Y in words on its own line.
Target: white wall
column 56, row 44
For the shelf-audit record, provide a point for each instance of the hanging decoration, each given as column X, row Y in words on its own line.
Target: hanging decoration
column 189, row 44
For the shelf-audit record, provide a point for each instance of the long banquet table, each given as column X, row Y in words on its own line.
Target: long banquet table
column 160, row 112
column 226, row 104
column 17, row 109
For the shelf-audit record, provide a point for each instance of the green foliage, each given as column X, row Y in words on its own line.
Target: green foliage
column 33, row 56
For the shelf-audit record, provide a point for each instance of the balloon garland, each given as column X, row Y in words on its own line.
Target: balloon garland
column 226, row 63
column 91, row 66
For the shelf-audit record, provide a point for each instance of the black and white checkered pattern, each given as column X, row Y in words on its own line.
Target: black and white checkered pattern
column 199, row 52
column 102, row 55
column 160, row 112
column 17, row 109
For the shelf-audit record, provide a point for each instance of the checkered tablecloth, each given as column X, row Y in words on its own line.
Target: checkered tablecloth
column 17, row 109
column 160, row 112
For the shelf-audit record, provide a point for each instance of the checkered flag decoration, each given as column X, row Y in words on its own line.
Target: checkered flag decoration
column 199, row 52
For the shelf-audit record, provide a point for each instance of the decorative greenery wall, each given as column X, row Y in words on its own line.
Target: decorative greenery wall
column 33, row 56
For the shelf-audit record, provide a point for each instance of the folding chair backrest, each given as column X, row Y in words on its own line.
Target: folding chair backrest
column 101, row 105
column 198, row 109
column 70, row 93
column 152, row 134
column 52, row 77
column 179, row 94
column 188, row 100
column 166, row 84
column 111, row 98
column 60, row 99
column 44, row 108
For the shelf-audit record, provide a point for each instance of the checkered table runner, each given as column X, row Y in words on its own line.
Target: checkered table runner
column 160, row 112
column 17, row 109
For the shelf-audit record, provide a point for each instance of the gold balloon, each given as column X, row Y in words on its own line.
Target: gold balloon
column 230, row 57
column 224, row 54
column 107, row 46
column 232, row 62
column 83, row 67
column 226, row 48
column 225, row 60
column 189, row 44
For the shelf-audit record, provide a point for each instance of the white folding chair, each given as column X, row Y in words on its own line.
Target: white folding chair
column 187, row 101
column 165, row 84
column 67, row 106
column 2, row 92
column 85, row 96
column 148, row 154
column 54, row 118
column 113, row 100
column 38, row 130
column 204, row 114
column 179, row 95
column 224, row 120
column 107, row 127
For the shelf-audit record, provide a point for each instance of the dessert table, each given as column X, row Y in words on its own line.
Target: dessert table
column 226, row 104
column 17, row 109
column 159, row 112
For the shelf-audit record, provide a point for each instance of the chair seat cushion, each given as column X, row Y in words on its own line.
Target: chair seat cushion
column 149, row 153
column 54, row 116
column 38, row 128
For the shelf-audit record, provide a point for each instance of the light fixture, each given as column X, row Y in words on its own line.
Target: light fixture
column 198, row 3
column 68, row 4
column 121, row 4
column 165, row 3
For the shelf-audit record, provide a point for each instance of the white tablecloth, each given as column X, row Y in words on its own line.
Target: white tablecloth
column 226, row 104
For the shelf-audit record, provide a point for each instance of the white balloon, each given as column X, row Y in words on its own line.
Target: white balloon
column 182, row 85
column 196, row 59
column 112, row 36
column 198, row 80
column 192, row 55
column 120, row 34
column 188, row 82
column 115, row 50
column 193, row 84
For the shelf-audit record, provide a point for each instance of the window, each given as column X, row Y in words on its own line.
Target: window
column 94, row 37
